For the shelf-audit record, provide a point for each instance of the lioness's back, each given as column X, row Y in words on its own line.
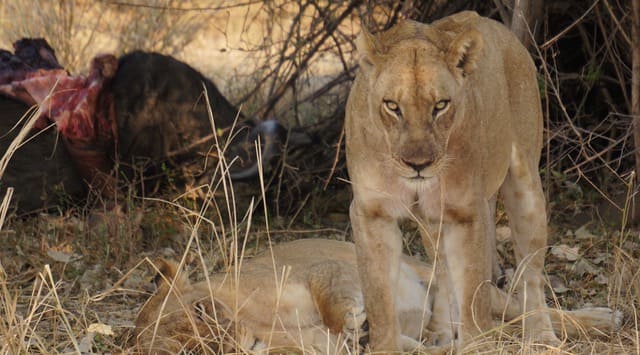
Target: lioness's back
column 506, row 79
column 503, row 53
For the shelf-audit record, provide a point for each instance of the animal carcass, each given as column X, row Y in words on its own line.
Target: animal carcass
column 145, row 111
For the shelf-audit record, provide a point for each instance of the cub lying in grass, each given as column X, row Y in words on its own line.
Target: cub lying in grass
column 307, row 296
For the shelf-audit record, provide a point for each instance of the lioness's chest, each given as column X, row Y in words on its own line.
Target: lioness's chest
column 403, row 198
column 429, row 199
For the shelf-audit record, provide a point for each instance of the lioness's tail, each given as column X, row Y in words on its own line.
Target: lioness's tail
column 588, row 320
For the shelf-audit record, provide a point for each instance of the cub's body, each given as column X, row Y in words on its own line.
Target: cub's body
column 304, row 295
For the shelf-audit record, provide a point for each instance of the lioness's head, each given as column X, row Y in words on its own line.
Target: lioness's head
column 183, row 317
column 416, row 76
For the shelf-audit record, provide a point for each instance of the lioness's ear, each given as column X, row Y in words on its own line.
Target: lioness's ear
column 464, row 51
column 367, row 48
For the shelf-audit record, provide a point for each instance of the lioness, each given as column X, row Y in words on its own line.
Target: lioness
column 306, row 295
column 441, row 118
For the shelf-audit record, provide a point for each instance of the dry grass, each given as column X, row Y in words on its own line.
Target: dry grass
column 72, row 282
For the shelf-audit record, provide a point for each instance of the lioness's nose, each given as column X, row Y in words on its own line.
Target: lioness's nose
column 418, row 165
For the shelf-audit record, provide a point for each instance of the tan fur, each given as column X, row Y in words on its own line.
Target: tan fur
column 486, row 140
column 319, row 304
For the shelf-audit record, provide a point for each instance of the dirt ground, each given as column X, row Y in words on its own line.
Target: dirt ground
column 74, row 281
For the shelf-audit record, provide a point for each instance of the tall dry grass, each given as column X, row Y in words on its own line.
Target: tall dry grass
column 44, row 310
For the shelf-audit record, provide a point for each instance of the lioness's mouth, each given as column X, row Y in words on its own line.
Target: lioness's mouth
column 419, row 177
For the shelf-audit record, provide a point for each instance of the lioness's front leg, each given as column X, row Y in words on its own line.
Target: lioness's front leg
column 467, row 256
column 378, row 248
column 525, row 204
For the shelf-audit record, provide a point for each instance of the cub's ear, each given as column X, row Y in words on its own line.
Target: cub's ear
column 464, row 52
column 367, row 46
column 166, row 272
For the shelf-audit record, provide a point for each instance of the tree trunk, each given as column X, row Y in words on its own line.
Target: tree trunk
column 635, row 89
column 526, row 20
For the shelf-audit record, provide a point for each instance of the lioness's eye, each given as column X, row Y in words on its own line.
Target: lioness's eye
column 392, row 107
column 440, row 106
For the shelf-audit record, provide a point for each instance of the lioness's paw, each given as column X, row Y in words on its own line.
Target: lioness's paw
column 547, row 337
column 411, row 345
column 441, row 338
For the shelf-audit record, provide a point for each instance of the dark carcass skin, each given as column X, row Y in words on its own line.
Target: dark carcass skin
column 40, row 171
column 162, row 117
column 161, row 111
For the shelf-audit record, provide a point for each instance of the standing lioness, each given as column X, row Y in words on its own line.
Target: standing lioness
column 440, row 118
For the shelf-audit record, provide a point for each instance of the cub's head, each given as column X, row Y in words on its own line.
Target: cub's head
column 416, row 77
column 185, row 317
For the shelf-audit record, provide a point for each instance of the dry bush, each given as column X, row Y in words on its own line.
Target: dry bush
column 79, row 29
column 586, row 71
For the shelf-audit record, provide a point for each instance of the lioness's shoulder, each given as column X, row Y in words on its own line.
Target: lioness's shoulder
column 459, row 21
column 470, row 20
column 439, row 33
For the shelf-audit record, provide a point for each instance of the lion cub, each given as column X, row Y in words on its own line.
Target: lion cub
column 306, row 295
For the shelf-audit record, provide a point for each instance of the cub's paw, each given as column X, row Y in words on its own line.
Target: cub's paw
column 355, row 319
column 363, row 339
column 356, row 327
